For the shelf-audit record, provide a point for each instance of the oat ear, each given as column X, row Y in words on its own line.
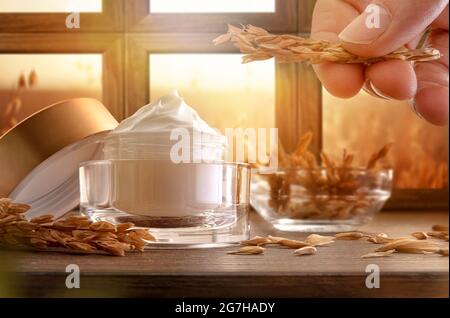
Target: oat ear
column 377, row 156
column 289, row 48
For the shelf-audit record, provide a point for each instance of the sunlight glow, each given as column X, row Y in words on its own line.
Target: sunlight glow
column 210, row 6
column 364, row 123
column 43, row 6
column 57, row 72
column 58, row 77
column 226, row 93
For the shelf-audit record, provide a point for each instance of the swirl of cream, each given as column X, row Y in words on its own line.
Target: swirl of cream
column 167, row 113
column 148, row 131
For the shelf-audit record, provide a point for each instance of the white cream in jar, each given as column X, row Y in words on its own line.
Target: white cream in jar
column 146, row 180
column 147, row 133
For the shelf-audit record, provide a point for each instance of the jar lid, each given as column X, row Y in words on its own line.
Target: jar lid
column 39, row 157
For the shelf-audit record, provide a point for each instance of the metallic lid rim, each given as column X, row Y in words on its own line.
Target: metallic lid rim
column 44, row 133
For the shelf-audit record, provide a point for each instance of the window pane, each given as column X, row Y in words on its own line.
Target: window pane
column 226, row 93
column 40, row 6
column 58, row 77
column 205, row 6
column 364, row 123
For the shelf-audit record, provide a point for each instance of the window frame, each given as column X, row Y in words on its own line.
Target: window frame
column 418, row 200
column 139, row 19
column 111, row 19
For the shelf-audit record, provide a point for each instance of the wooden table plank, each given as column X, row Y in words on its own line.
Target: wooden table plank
column 337, row 270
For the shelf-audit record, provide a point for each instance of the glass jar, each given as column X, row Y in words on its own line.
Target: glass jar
column 183, row 204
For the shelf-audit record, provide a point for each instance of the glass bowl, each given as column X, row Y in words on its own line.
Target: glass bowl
column 320, row 200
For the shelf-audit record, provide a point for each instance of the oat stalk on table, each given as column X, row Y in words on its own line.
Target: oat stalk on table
column 75, row 233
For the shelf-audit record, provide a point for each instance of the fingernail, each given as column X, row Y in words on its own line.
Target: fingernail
column 374, row 91
column 413, row 106
column 367, row 27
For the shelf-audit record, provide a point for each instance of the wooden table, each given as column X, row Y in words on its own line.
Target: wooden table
column 337, row 270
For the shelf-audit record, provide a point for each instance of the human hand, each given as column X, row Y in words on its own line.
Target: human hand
column 401, row 23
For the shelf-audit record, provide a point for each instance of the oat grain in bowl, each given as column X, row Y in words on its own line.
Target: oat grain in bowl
column 299, row 200
column 330, row 196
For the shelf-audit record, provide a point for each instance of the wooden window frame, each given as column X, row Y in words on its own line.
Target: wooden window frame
column 109, row 45
column 418, row 199
column 139, row 19
column 109, row 20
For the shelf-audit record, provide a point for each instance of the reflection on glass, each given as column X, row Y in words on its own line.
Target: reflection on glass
column 364, row 123
column 210, row 6
column 41, row 6
column 32, row 81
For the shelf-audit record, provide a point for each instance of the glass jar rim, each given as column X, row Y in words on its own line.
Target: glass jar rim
column 323, row 169
column 109, row 161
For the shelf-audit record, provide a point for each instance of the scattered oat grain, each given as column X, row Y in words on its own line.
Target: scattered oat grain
column 248, row 250
column 307, row 250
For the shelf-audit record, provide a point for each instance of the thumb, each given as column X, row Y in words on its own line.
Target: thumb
column 387, row 25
